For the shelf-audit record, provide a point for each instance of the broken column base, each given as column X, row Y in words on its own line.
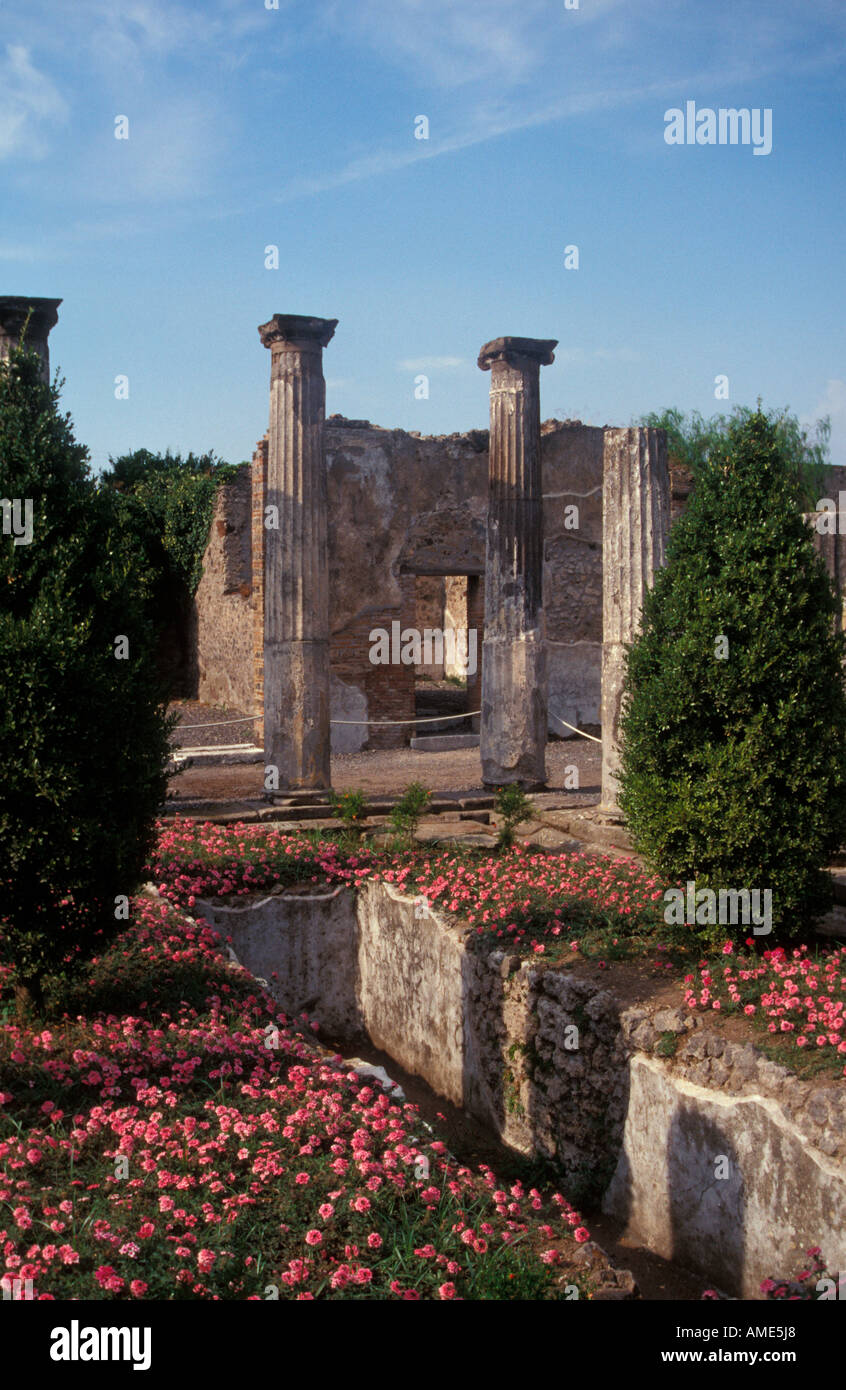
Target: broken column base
column 296, row 714
column 514, row 715
column 592, row 827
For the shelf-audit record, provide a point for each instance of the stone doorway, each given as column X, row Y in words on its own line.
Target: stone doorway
column 449, row 615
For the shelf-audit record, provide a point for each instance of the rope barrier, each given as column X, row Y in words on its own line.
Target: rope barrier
column 382, row 723
column 250, row 719
column 434, row 719
column 592, row 737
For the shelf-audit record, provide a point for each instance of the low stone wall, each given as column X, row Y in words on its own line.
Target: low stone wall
column 726, row 1184
column 304, row 948
column 705, row 1151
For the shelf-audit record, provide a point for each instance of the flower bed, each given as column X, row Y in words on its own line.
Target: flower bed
column 192, row 861
column 798, row 997
column 183, row 1139
column 537, row 901
column 536, row 904
column 176, row 1136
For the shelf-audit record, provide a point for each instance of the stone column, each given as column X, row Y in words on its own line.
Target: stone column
column 43, row 315
column 635, row 523
column 514, row 676
column 296, row 566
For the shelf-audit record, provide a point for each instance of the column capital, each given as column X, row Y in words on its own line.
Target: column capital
column 297, row 331
column 517, row 352
column 15, row 307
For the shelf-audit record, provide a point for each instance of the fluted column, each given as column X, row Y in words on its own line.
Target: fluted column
column 514, row 674
column 635, row 523
column 296, row 567
column 43, row 315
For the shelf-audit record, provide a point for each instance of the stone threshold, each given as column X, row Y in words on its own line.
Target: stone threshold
column 314, row 807
column 225, row 755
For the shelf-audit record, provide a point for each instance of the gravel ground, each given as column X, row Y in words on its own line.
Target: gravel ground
column 387, row 771
column 433, row 698
column 192, row 713
column 459, row 770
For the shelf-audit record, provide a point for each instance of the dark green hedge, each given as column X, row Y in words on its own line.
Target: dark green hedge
column 83, row 732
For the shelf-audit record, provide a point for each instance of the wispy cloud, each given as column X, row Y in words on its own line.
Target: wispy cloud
column 488, row 123
column 126, row 58
column 124, row 37
column 429, row 364
column 173, row 154
column 455, row 43
column 30, row 104
column 578, row 356
column 529, row 53
column 10, row 252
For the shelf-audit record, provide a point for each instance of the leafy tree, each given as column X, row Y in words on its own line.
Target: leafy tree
column 83, row 727
column 734, row 719
column 164, row 504
column 167, row 503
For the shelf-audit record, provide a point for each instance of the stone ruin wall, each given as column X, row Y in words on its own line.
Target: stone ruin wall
column 403, row 505
column 223, row 602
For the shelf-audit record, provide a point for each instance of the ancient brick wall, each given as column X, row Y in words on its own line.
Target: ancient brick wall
column 400, row 506
column 387, row 690
column 401, row 503
column 259, row 495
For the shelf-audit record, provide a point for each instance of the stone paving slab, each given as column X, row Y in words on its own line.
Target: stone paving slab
column 475, row 837
column 443, row 743
column 217, row 757
column 591, row 830
column 305, row 806
column 453, row 830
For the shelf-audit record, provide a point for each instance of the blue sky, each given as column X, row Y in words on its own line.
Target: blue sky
column 295, row 127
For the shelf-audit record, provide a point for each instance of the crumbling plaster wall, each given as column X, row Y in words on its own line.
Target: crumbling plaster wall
column 222, row 602
column 402, row 504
